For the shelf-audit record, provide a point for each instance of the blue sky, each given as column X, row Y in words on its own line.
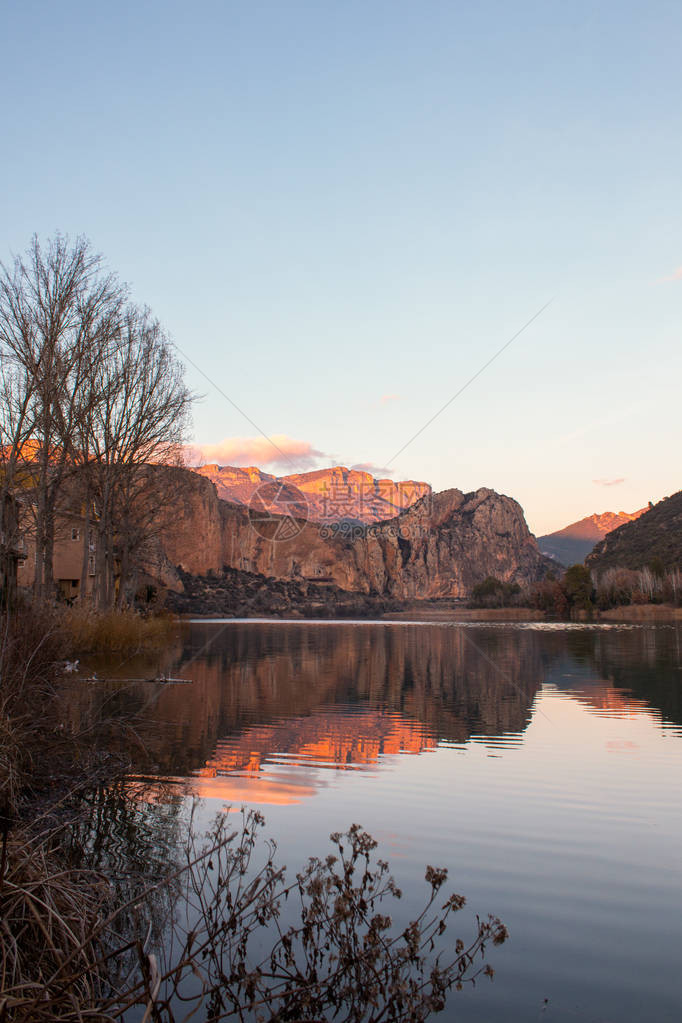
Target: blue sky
column 341, row 211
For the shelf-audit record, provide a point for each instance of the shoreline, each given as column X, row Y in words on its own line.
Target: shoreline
column 627, row 613
column 642, row 613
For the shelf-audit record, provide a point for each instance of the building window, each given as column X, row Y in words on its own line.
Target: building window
column 75, row 533
column 91, row 565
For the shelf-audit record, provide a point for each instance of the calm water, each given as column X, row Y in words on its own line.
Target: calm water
column 541, row 764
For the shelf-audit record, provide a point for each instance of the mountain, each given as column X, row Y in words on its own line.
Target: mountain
column 324, row 495
column 573, row 543
column 656, row 535
column 440, row 547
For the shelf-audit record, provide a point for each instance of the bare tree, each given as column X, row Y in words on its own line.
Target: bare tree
column 92, row 395
column 53, row 302
column 139, row 421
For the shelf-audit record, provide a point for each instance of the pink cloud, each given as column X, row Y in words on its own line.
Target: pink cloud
column 386, row 398
column 610, row 483
column 278, row 451
column 676, row 275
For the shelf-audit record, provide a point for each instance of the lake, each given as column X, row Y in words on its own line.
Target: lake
column 541, row 763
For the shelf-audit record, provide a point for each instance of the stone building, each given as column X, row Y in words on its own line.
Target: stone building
column 74, row 544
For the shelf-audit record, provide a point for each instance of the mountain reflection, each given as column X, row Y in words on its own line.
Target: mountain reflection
column 266, row 701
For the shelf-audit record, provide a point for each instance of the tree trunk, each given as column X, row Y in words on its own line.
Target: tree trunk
column 48, row 571
column 38, row 589
column 85, row 561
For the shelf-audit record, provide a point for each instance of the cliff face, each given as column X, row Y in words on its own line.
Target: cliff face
column 440, row 547
column 446, row 544
column 330, row 494
column 573, row 543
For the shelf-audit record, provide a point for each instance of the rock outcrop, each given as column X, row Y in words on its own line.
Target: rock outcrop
column 326, row 495
column 236, row 594
column 440, row 547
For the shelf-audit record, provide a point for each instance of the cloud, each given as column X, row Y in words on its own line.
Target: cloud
column 676, row 275
column 610, row 483
column 375, row 470
column 278, row 451
column 386, row 398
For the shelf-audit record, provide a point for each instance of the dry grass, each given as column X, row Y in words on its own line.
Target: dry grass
column 30, row 647
column 113, row 631
column 50, row 958
column 46, row 910
column 642, row 613
column 466, row 614
column 50, row 911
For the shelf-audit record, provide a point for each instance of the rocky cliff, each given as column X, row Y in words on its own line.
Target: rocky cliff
column 440, row 547
column 325, row 495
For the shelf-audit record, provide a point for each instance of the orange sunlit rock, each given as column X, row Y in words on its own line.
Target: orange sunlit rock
column 330, row 494
column 354, row 741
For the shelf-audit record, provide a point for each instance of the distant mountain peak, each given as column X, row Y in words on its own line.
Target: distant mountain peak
column 574, row 542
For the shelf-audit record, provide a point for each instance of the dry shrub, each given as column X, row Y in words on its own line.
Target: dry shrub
column 113, row 631
column 344, row 958
column 226, row 951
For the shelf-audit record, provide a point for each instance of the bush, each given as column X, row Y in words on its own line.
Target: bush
column 577, row 583
column 342, row 959
column 80, row 949
column 550, row 596
column 494, row 592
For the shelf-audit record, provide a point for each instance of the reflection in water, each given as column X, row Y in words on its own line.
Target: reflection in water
column 311, row 698
column 545, row 771
column 343, row 697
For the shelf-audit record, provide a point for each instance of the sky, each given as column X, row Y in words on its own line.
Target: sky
column 341, row 212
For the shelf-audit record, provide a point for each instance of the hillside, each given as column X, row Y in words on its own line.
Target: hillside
column 657, row 534
column 573, row 543
column 323, row 495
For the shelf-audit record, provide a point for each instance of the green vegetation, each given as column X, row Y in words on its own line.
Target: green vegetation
column 577, row 583
column 568, row 597
column 494, row 592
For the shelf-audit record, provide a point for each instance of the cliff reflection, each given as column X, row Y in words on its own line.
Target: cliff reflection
column 335, row 698
column 342, row 697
